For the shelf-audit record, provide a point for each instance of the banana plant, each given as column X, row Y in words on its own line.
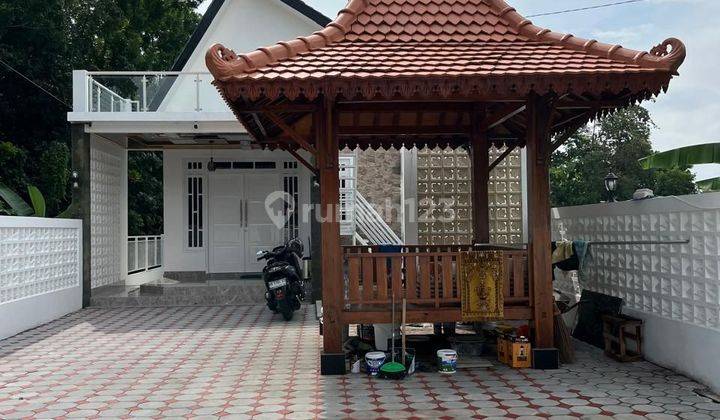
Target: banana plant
column 685, row 157
column 18, row 206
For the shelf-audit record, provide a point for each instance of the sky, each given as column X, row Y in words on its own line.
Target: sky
column 690, row 112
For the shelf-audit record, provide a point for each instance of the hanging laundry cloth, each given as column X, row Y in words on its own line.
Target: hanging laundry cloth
column 563, row 251
column 582, row 250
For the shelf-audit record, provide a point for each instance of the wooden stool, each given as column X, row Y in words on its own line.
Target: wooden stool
column 616, row 336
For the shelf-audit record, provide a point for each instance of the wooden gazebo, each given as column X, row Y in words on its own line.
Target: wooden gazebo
column 432, row 73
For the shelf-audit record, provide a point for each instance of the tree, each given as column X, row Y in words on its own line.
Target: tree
column 674, row 181
column 145, row 192
column 45, row 40
column 614, row 143
column 52, row 175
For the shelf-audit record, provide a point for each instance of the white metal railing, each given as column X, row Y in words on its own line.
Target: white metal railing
column 371, row 225
column 103, row 99
column 144, row 253
column 348, row 189
column 156, row 91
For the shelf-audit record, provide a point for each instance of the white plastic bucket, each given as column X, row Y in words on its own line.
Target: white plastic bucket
column 373, row 361
column 447, row 361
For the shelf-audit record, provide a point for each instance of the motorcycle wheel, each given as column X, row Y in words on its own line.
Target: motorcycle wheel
column 271, row 303
column 287, row 313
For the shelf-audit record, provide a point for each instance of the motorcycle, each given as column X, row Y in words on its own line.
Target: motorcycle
column 283, row 278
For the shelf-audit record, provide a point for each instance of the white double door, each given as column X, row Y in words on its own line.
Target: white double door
column 240, row 225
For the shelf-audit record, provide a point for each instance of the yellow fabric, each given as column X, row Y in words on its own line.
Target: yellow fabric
column 563, row 251
column 481, row 282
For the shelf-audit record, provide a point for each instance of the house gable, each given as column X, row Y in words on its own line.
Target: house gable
column 249, row 23
column 295, row 13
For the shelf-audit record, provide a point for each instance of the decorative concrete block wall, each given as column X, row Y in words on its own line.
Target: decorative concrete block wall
column 445, row 192
column 108, row 221
column 674, row 288
column 40, row 271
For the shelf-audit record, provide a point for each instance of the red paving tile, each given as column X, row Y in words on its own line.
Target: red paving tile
column 244, row 362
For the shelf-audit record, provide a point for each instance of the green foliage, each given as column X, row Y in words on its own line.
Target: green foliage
column 615, row 143
column 12, row 174
column 14, row 204
column 683, row 156
column 54, row 164
column 707, row 185
column 145, row 193
column 674, row 181
column 37, row 200
column 46, row 40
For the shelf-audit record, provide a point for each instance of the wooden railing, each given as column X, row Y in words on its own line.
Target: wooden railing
column 427, row 276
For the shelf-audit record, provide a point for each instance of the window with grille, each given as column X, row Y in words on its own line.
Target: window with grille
column 290, row 186
column 195, row 198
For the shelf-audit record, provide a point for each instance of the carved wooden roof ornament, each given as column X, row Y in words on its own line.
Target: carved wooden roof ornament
column 439, row 47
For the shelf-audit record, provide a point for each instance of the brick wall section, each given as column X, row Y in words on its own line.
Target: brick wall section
column 379, row 179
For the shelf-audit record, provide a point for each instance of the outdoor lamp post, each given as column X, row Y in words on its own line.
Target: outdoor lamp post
column 611, row 185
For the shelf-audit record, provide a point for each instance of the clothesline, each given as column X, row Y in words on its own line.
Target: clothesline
column 677, row 242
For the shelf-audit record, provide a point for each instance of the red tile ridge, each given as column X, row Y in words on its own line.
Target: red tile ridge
column 223, row 63
column 668, row 55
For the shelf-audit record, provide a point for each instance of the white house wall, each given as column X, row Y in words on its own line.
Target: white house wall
column 108, row 211
column 242, row 25
column 177, row 256
column 675, row 289
column 40, row 271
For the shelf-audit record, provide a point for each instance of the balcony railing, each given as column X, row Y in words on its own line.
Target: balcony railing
column 137, row 92
column 144, row 253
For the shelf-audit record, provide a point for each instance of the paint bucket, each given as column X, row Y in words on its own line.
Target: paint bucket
column 373, row 361
column 447, row 361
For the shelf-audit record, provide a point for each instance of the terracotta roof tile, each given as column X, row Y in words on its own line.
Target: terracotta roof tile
column 437, row 38
column 473, row 20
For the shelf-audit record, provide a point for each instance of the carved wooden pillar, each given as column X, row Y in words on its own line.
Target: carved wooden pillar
column 539, row 263
column 480, row 161
column 332, row 284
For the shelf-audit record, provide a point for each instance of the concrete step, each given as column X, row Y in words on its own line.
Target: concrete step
column 173, row 293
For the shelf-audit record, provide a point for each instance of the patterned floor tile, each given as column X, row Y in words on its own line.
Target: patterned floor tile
column 244, row 363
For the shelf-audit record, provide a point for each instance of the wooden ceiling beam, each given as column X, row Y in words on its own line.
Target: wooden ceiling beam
column 397, row 130
column 594, row 104
column 582, row 116
column 503, row 114
column 393, row 107
column 500, row 158
column 302, row 160
column 561, row 138
column 283, row 107
column 290, row 132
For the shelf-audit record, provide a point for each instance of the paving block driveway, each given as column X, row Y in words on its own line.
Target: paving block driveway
column 243, row 362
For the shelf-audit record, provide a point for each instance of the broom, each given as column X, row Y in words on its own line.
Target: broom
column 392, row 369
column 563, row 337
